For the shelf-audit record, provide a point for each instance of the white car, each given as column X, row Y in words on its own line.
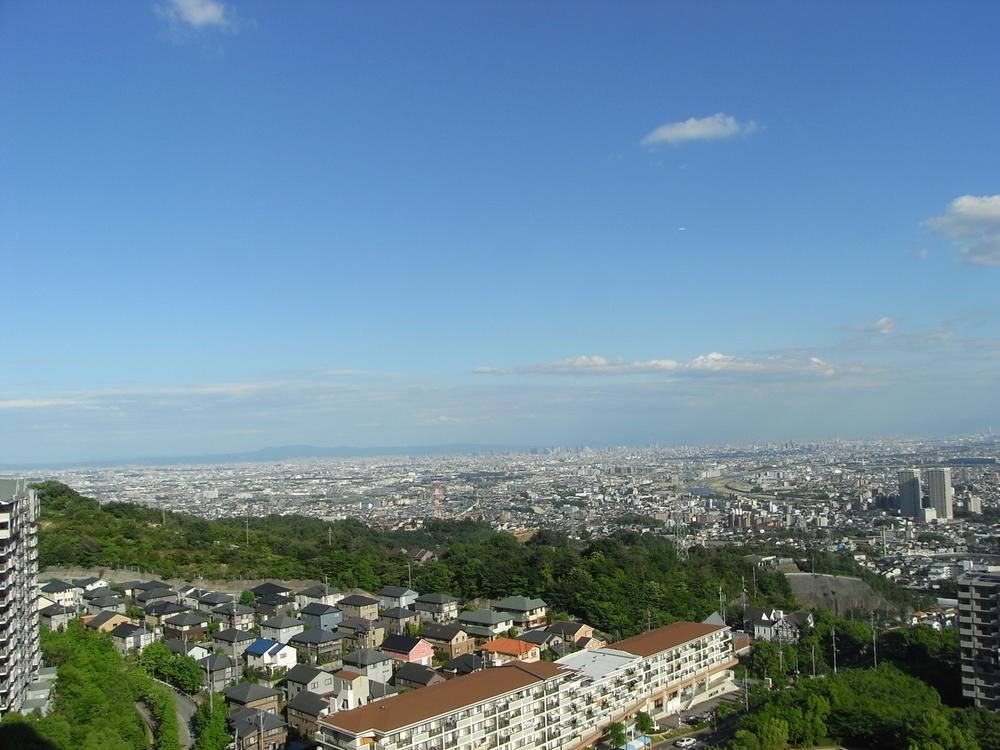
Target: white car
column 686, row 742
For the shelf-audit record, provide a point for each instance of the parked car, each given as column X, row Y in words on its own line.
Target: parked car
column 686, row 742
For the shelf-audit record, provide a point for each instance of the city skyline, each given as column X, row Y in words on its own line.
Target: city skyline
column 562, row 225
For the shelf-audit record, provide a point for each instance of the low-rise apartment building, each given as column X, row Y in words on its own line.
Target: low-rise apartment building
column 563, row 705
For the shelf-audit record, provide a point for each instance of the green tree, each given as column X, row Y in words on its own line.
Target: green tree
column 644, row 722
column 210, row 724
column 615, row 734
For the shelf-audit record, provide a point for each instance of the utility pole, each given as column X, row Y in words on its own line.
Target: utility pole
column 814, row 659
column 722, row 604
column 833, row 633
column 874, row 645
column 329, row 536
column 409, row 576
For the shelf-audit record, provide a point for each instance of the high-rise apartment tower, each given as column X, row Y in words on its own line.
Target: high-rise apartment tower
column 979, row 637
column 941, row 493
column 909, row 492
column 19, row 655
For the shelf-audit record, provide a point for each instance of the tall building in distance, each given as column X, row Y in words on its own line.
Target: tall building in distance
column 979, row 638
column 909, row 492
column 19, row 654
column 941, row 493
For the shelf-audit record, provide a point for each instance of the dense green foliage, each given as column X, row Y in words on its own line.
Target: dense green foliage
column 922, row 652
column 94, row 706
column 618, row 584
column 181, row 671
column 881, row 708
column 210, row 724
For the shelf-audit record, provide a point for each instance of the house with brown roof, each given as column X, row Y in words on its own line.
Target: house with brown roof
column 499, row 651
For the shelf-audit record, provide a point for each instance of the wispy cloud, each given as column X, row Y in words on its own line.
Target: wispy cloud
column 712, row 128
column 705, row 365
column 884, row 325
column 198, row 14
column 972, row 223
column 36, row 403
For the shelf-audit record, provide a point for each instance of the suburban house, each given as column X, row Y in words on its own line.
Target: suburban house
column 56, row 616
column 406, row 648
column 212, row 599
column 281, row 628
column 412, row 676
column 318, row 594
column 499, row 651
column 305, row 677
column 104, row 622
column 251, row 695
column 183, row 648
column 110, row 603
column 527, row 613
column 321, row 616
column 219, row 671
column 156, row 612
column 775, row 625
column 361, row 633
column 232, row 641
column 61, row 592
column 541, row 638
column 317, row 646
column 464, row 664
column 269, row 588
column 88, row 584
column 359, row 606
column 398, row 619
column 257, row 730
column 396, row 596
column 189, row 595
column 128, row 636
column 436, row 607
column 269, row 655
column 155, row 595
column 372, row 664
column 272, row 605
column 486, row 623
column 304, row 711
column 234, row 615
column 450, row 640
column 354, row 690
column 186, row 625
column 570, row 631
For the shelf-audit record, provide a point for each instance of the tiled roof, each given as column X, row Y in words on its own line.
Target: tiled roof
column 427, row 702
column 669, row 636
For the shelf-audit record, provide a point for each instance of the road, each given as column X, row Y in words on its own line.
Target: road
column 185, row 709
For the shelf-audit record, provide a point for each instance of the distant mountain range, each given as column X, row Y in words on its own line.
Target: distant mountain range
column 278, row 453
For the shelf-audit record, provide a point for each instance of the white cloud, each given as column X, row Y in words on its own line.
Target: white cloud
column 972, row 223
column 705, row 365
column 884, row 325
column 198, row 14
column 36, row 403
column 711, row 128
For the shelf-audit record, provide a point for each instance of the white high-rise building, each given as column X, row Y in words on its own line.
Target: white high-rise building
column 909, row 492
column 19, row 654
column 941, row 492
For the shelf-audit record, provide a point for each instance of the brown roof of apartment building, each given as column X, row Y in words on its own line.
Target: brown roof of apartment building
column 669, row 636
column 435, row 700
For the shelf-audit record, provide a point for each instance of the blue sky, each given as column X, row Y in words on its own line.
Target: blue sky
column 226, row 226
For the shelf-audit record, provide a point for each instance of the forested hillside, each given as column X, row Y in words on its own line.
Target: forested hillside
column 616, row 583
